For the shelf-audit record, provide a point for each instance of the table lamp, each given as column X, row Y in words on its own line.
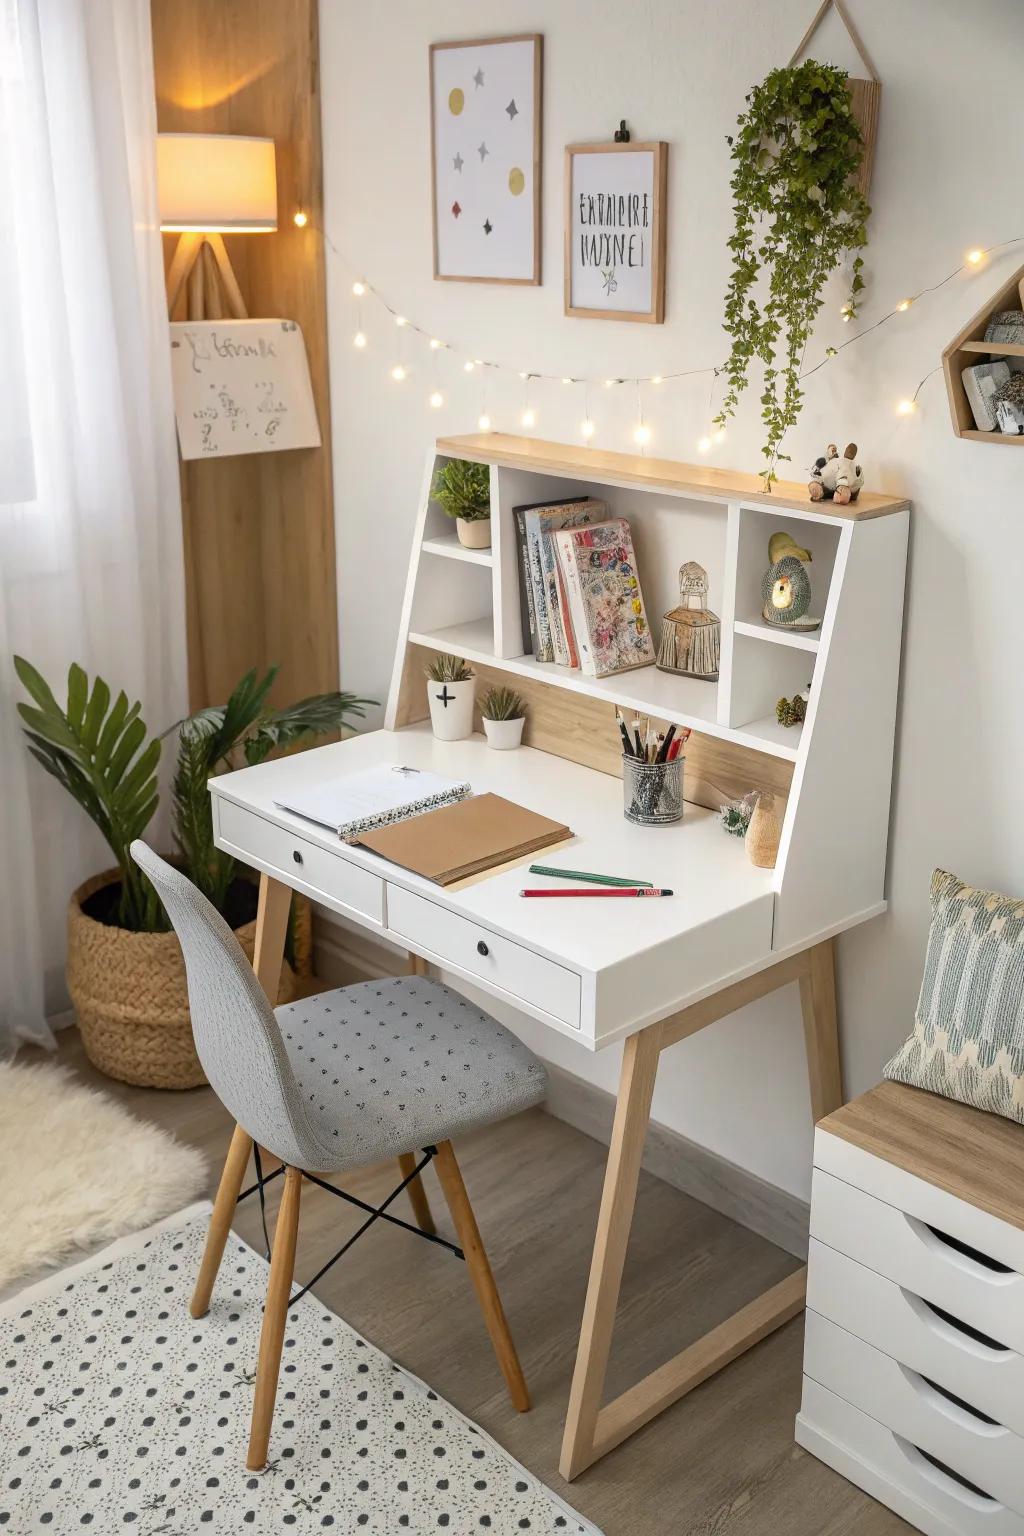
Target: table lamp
column 209, row 185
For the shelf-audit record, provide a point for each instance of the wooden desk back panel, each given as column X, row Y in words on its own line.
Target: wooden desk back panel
column 583, row 729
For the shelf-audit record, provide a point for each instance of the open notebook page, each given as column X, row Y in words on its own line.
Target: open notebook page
column 375, row 797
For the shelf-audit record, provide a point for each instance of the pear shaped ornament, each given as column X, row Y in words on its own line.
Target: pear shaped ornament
column 786, row 586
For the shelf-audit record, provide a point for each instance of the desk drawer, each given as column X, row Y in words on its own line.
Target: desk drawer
column 974, row 1287
column 894, row 1471
column 476, row 950
column 981, row 1371
column 320, row 872
column 988, row 1454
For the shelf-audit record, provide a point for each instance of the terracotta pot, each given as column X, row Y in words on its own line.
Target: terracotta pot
column 130, row 996
column 475, row 534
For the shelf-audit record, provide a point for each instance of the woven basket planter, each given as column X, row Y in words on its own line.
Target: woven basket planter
column 130, row 996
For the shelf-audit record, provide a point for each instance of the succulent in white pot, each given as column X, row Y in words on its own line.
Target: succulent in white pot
column 504, row 715
column 463, row 491
column 451, row 687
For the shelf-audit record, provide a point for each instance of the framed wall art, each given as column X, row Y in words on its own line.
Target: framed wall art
column 485, row 118
column 615, row 231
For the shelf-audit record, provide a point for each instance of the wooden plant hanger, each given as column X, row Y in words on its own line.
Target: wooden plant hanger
column 865, row 95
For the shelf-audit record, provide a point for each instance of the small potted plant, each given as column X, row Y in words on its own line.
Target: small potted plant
column 450, row 689
column 504, row 715
column 463, row 491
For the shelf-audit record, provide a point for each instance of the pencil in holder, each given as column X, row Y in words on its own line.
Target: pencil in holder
column 652, row 793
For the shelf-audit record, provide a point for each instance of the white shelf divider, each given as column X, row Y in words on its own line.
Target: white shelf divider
column 447, row 545
column 758, row 630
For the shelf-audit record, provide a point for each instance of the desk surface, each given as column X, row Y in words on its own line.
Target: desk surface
column 658, row 952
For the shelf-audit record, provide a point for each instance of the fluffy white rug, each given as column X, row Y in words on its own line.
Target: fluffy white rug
column 78, row 1169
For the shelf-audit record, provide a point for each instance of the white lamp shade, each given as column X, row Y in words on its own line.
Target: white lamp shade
column 216, row 182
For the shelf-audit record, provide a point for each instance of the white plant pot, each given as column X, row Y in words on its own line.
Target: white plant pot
column 503, row 735
column 475, row 534
column 451, row 708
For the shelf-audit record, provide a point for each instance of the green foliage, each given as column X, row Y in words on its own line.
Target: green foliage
column 502, row 704
column 100, row 753
column 463, row 490
column 797, row 214
column 215, row 740
column 448, row 669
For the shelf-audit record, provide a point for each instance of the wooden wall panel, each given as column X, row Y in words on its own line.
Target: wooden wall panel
column 259, row 529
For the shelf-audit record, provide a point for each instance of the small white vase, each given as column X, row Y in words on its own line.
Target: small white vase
column 503, row 735
column 451, row 708
column 475, row 534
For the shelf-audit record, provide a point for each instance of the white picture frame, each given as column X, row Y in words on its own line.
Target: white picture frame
column 485, row 152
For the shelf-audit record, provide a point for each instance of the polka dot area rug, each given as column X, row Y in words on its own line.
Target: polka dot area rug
column 121, row 1413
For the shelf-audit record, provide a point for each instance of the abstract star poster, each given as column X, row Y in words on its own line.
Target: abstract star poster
column 485, row 107
column 615, row 231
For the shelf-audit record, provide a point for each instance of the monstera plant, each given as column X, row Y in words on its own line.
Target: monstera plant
column 125, row 973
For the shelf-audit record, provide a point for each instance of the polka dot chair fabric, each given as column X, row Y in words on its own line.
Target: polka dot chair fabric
column 350, row 1077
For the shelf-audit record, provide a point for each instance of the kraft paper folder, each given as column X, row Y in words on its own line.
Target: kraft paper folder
column 464, row 839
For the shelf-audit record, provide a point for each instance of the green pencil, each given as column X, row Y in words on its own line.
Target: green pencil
column 580, row 874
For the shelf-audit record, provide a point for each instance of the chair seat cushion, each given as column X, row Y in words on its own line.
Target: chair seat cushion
column 391, row 1066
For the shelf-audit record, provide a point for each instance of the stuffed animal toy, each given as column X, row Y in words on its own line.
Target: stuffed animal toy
column 836, row 479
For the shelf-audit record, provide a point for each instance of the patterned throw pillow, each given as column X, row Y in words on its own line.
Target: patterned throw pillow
column 968, row 1039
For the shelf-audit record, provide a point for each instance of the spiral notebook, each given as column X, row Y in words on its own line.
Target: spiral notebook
column 465, row 839
column 376, row 797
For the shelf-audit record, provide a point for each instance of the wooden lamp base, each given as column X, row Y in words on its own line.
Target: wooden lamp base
column 201, row 261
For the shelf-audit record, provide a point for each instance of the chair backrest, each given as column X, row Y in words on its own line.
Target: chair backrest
column 237, row 1037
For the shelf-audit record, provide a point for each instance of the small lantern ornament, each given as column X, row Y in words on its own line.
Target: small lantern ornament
column 786, row 586
column 691, row 635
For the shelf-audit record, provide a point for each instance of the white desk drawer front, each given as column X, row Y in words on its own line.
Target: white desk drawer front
column 975, row 1289
column 329, row 877
column 987, row 1454
column 475, row 949
column 892, row 1469
column 985, row 1374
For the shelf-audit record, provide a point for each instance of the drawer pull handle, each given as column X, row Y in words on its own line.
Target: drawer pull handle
column 969, row 1259
column 297, row 856
column 481, row 948
column 953, row 1407
column 953, row 1329
column 945, row 1478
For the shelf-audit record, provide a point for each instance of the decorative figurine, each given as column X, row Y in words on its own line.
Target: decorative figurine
column 691, row 635
column 786, row 586
column 836, row 479
column 793, row 711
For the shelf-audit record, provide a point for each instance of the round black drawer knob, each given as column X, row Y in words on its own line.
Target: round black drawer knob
column 481, row 948
column 297, row 856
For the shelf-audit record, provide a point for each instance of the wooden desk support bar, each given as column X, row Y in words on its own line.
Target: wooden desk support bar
column 590, row 1429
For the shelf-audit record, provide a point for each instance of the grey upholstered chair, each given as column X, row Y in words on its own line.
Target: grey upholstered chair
column 342, row 1080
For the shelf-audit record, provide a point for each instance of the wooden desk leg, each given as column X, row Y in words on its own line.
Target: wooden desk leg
column 271, row 928
column 821, row 1030
column 629, row 1132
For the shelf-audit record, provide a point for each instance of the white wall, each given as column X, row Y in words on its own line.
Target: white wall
column 946, row 178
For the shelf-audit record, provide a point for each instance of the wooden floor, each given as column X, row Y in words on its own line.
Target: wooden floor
column 720, row 1462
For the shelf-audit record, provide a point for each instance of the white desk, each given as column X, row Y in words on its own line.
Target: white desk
column 593, row 971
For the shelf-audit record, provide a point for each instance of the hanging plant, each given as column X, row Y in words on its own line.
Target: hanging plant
column 798, row 214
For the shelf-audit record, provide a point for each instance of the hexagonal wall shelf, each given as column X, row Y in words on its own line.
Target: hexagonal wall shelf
column 969, row 348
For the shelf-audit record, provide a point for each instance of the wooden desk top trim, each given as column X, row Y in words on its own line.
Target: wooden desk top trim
column 977, row 1157
column 697, row 480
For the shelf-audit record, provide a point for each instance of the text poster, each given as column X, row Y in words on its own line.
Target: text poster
column 241, row 386
column 615, row 231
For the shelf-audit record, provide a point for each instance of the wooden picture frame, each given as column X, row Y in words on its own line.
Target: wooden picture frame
column 511, row 183
column 632, row 241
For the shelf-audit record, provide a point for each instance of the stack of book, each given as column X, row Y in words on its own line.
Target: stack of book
column 581, row 598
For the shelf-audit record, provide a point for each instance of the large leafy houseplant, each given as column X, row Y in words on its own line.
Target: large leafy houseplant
column 798, row 214
column 105, row 758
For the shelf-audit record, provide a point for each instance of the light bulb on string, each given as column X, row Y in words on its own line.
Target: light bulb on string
column 903, row 306
column 641, row 433
column 398, row 373
column 484, row 422
column 359, row 339
column 468, row 365
column 300, row 218
column 358, row 288
column 434, row 343
column 529, row 417
column 400, row 320
column 906, row 407
column 719, row 436
column 437, row 399
column 586, row 428
column 657, row 379
column 566, row 380
column 704, row 445
column 975, row 257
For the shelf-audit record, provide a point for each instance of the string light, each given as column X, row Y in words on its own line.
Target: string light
column 906, row 407
column 657, row 379
column 468, row 365
column 719, row 436
column 434, row 343
column 398, row 373
column 903, row 306
column 359, row 339
column 586, row 428
column 529, row 418
column 642, row 433
column 358, row 289
column 300, row 218
column 437, row 399
column 400, row 320
column 484, row 423
column 566, row 381
column 704, row 445
column 975, row 257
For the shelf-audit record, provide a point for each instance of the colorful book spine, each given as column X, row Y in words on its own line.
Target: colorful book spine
column 552, row 600
column 576, row 612
column 613, row 621
column 525, row 585
column 539, row 521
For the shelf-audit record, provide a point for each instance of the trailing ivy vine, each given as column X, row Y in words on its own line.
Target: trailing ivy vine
column 798, row 212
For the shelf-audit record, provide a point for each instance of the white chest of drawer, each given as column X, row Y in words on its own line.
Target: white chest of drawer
column 914, row 1352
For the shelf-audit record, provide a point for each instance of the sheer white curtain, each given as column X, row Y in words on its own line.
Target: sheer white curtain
column 90, row 524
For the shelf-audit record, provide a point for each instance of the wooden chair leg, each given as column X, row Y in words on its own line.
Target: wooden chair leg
column 220, row 1221
column 417, row 1194
column 480, row 1273
column 275, row 1315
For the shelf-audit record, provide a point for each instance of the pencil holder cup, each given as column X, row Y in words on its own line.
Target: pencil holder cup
column 652, row 793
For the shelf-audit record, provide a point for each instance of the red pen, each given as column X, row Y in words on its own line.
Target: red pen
column 628, row 890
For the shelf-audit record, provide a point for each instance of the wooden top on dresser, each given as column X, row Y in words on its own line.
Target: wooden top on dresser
column 977, row 1157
